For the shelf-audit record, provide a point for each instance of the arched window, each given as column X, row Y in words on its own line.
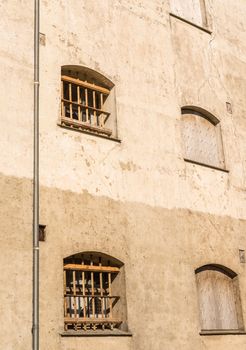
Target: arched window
column 201, row 134
column 94, row 292
column 87, row 101
column 219, row 299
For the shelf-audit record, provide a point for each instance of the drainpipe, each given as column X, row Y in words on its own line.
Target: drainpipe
column 35, row 314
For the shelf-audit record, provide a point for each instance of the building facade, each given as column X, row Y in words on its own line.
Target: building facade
column 142, row 174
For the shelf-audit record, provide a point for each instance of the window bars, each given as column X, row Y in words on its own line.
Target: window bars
column 82, row 105
column 88, row 299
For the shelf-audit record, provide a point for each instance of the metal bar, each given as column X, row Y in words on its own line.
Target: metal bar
column 101, row 288
column 79, row 102
column 85, row 106
column 65, row 292
column 94, row 106
column 62, row 97
column 92, row 292
column 35, row 314
column 83, row 291
column 85, row 84
column 71, row 100
column 74, row 295
column 95, row 295
column 86, row 103
column 101, row 121
column 90, row 268
column 110, row 293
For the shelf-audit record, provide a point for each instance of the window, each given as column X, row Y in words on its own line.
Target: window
column 219, row 299
column 87, row 101
column 191, row 10
column 94, row 296
column 202, row 140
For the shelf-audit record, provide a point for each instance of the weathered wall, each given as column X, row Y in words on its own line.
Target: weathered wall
column 150, row 72
column 161, row 249
column 136, row 200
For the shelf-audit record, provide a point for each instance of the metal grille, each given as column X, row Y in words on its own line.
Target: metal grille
column 82, row 105
column 88, row 299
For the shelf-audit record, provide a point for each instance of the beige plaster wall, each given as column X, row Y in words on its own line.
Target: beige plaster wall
column 136, row 200
column 160, row 248
column 15, row 263
column 150, row 57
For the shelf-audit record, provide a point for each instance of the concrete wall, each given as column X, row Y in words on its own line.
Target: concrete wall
column 136, row 200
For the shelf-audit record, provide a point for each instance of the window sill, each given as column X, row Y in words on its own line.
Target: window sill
column 223, row 332
column 206, row 165
column 89, row 132
column 204, row 29
column 90, row 333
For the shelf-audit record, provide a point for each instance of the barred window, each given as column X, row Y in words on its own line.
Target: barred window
column 93, row 293
column 87, row 103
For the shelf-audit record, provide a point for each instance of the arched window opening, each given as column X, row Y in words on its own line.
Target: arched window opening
column 219, row 299
column 87, row 101
column 94, row 292
column 202, row 140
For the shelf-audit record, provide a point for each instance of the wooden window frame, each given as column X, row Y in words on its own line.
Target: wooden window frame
column 86, row 306
column 89, row 118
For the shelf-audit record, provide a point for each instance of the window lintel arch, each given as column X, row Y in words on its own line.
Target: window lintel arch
column 190, row 109
column 217, row 267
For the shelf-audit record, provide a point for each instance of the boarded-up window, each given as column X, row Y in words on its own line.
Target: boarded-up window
column 219, row 300
column 191, row 10
column 202, row 141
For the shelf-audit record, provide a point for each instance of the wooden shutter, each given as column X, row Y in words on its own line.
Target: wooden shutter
column 202, row 140
column 217, row 301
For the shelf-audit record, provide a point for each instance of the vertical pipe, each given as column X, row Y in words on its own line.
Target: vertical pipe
column 35, row 317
